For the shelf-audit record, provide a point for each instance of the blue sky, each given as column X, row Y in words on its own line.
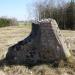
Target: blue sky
column 20, row 9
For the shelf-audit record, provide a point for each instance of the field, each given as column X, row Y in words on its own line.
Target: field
column 12, row 34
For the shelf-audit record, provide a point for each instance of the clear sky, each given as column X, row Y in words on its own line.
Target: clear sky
column 20, row 9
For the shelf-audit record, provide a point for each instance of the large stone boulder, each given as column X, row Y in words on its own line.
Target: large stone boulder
column 44, row 44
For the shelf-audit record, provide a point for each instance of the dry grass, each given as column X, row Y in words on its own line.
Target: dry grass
column 36, row 70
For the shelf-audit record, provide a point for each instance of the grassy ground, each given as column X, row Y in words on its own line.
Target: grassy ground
column 69, row 36
column 13, row 34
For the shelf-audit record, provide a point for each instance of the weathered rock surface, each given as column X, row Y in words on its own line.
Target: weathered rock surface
column 44, row 44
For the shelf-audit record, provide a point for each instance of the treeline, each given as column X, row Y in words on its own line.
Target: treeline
column 63, row 13
column 8, row 22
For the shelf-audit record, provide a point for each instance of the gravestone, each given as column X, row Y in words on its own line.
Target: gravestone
column 44, row 44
